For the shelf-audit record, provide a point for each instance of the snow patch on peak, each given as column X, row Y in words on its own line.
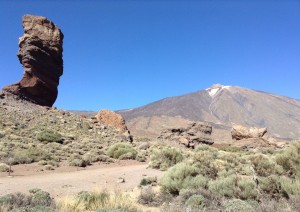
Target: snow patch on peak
column 214, row 89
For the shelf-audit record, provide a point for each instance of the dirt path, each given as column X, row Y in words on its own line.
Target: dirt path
column 65, row 183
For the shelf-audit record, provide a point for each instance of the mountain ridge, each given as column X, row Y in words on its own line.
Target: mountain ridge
column 227, row 105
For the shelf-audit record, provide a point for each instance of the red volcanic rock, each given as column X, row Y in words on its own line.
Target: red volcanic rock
column 40, row 53
column 114, row 120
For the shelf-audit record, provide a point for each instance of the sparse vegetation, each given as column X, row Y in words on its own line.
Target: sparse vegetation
column 205, row 178
column 122, row 151
column 50, row 136
column 243, row 179
column 37, row 200
column 165, row 157
column 97, row 201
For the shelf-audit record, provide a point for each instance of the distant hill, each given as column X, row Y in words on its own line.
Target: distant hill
column 221, row 105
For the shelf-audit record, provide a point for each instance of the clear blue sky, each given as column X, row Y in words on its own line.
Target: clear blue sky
column 124, row 54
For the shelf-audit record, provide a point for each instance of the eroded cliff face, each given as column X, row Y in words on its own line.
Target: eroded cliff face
column 40, row 53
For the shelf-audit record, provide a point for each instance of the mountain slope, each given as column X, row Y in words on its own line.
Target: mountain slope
column 225, row 105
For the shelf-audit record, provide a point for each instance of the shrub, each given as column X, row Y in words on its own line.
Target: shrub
column 224, row 186
column 49, row 136
column 262, row 165
column 236, row 205
column 38, row 200
column 196, row 201
column 164, row 158
column 49, row 167
column 196, row 182
column 177, row 177
column 4, row 167
column 204, row 158
column 272, row 186
column 141, row 156
column 148, row 197
column 97, row 201
column 122, row 151
column 78, row 162
column 40, row 197
column 289, row 159
column 291, row 186
column 247, row 189
column 33, row 154
column 148, row 181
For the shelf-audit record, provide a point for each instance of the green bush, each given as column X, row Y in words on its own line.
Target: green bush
column 122, row 151
column 272, row 186
column 237, row 205
column 33, row 154
column 204, row 158
column 164, row 158
column 178, row 177
column 50, row 136
column 38, row 200
column 263, row 166
column 291, row 186
column 78, row 162
column 289, row 159
column 247, row 189
column 141, row 156
column 224, row 186
column 148, row 181
column 196, row 201
column 40, row 197
column 4, row 167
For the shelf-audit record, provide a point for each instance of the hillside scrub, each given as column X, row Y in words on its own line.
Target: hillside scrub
column 164, row 158
column 37, row 200
column 238, row 176
column 122, row 151
column 30, row 133
column 50, row 136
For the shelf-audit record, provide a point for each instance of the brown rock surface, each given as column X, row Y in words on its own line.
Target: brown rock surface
column 114, row 120
column 195, row 133
column 239, row 132
column 253, row 137
column 40, row 53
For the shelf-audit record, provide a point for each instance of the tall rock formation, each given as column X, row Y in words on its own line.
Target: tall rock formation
column 40, row 53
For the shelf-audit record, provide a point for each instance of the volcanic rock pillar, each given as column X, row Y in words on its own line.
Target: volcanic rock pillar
column 40, row 53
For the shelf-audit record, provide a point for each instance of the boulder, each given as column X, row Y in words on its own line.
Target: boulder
column 253, row 137
column 114, row 120
column 195, row 133
column 40, row 53
column 239, row 132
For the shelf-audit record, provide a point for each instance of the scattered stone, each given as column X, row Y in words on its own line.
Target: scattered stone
column 121, row 180
column 196, row 133
column 40, row 54
column 2, row 95
column 144, row 146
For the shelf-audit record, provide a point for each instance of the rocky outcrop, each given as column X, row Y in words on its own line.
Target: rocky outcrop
column 239, row 132
column 253, row 137
column 196, row 133
column 114, row 120
column 40, row 53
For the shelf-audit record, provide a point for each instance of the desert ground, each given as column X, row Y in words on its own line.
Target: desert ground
column 67, row 180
